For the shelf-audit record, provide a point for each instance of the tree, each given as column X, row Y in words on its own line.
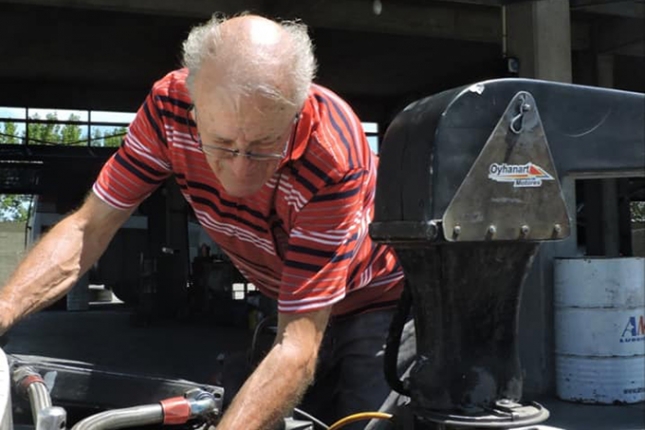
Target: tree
column 43, row 133
column 109, row 138
column 71, row 133
column 638, row 211
column 14, row 207
column 9, row 133
column 114, row 137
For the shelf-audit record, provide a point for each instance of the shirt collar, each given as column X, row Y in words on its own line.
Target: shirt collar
column 302, row 133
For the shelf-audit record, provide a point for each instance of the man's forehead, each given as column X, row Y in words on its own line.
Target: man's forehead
column 233, row 87
column 247, row 122
column 242, row 108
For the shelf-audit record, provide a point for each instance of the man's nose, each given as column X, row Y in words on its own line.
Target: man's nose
column 241, row 166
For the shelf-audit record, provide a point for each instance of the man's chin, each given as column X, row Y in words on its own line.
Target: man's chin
column 241, row 192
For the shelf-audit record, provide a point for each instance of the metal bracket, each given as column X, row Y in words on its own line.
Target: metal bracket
column 404, row 231
column 504, row 415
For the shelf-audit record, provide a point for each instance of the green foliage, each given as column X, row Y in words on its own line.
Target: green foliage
column 71, row 133
column 638, row 211
column 14, row 207
column 9, row 134
column 42, row 133
column 111, row 138
column 114, row 137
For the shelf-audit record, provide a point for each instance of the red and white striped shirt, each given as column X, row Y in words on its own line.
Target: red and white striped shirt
column 303, row 238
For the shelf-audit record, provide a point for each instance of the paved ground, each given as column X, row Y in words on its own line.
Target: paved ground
column 107, row 337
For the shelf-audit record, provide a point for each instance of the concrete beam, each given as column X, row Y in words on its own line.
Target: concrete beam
column 636, row 49
column 626, row 9
column 450, row 21
column 458, row 21
column 624, row 36
column 184, row 8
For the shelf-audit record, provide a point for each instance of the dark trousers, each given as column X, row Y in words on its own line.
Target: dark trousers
column 350, row 376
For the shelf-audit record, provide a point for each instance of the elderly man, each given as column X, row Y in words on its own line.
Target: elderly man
column 279, row 173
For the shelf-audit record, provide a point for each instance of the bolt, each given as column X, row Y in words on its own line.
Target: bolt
column 492, row 230
column 456, row 231
column 524, row 230
column 526, row 107
column 557, row 228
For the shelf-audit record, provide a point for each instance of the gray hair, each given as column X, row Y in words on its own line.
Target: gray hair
column 204, row 42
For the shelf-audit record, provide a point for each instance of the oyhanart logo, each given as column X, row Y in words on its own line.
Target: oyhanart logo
column 521, row 175
column 634, row 330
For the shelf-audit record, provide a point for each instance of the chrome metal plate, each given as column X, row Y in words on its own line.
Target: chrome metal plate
column 512, row 191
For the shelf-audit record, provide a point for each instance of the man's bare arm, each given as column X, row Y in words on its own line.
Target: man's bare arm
column 281, row 379
column 54, row 265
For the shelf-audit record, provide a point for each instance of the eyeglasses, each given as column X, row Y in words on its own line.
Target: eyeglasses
column 222, row 153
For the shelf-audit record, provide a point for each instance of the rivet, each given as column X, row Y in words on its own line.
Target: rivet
column 525, row 229
column 557, row 228
column 456, row 231
column 492, row 229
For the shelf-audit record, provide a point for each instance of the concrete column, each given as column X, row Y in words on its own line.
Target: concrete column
column 605, row 70
column 610, row 221
column 609, row 187
column 539, row 35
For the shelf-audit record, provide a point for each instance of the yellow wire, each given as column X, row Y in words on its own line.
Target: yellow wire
column 359, row 417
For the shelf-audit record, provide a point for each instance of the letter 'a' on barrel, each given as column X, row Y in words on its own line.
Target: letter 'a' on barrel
column 600, row 329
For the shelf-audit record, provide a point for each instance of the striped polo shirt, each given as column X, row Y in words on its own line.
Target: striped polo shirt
column 302, row 239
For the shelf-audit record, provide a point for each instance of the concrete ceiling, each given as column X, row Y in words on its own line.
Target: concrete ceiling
column 104, row 54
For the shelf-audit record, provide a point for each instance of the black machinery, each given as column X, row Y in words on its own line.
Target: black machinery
column 468, row 188
column 54, row 392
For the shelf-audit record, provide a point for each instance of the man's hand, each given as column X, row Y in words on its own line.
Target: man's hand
column 281, row 379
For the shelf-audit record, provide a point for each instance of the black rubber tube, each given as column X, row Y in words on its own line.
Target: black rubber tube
column 393, row 341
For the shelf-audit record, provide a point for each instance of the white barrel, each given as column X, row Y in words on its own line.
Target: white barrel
column 600, row 329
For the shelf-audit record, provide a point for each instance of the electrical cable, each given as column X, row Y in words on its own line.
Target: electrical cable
column 359, row 417
column 311, row 418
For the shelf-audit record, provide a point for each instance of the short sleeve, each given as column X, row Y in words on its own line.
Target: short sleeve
column 140, row 165
column 327, row 233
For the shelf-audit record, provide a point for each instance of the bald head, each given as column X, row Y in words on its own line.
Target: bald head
column 250, row 55
column 253, row 31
